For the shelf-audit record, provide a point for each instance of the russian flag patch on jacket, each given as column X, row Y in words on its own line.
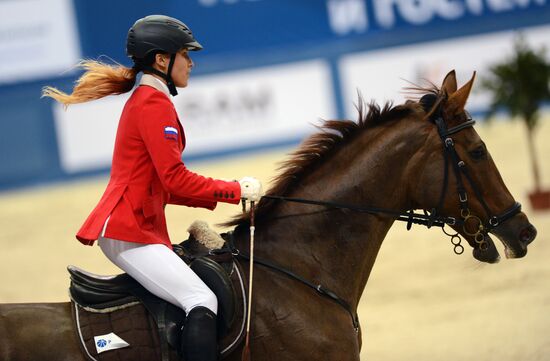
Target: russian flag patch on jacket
column 170, row 133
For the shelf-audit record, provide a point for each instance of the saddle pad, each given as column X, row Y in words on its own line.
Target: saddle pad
column 132, row 324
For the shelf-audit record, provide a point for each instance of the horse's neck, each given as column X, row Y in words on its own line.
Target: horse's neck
column 337, row 248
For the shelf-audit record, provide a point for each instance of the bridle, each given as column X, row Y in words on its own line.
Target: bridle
column 433, row 217
column 428, row 218
column 459, row 170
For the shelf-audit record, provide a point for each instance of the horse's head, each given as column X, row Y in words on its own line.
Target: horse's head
column 460, row 179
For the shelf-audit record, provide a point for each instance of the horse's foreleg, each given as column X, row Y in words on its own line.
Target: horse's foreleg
column 38, row 332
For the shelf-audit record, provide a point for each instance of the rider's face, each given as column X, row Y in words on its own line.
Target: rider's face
column 181, row 68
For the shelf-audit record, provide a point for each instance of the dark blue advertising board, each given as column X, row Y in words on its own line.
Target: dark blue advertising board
column 257, row 30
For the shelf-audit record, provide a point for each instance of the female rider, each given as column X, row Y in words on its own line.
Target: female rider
column 148, row 173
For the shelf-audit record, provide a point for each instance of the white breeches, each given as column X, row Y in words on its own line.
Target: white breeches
column 161, row 272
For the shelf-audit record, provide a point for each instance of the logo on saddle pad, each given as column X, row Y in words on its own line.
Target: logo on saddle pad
column 108, row 342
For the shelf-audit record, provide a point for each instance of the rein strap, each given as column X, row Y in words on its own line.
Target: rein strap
column 410, row 217
column 318, row 288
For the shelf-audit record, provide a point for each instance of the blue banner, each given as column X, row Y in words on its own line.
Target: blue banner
column 301, row 27
column 237, row 25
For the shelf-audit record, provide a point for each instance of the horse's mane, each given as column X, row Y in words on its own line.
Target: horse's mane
column 332, row 135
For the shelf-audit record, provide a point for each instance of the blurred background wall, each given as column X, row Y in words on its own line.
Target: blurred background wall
column 272, row 67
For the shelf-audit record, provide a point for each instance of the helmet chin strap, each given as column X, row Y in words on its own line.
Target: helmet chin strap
column 166, row 76
column 169, row 81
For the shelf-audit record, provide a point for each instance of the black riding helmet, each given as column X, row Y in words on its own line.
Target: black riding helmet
column 155, row 34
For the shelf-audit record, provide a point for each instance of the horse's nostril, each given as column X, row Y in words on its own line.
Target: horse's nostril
column 528, row 234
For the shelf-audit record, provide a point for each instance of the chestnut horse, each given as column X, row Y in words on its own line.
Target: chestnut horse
column 326, row 227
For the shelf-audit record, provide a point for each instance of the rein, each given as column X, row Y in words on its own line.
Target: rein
column 325, row 292
column 410, row 217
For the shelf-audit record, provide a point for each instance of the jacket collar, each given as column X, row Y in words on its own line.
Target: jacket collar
column 150, row 80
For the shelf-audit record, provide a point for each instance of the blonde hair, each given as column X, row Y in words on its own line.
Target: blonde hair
column 99, row 80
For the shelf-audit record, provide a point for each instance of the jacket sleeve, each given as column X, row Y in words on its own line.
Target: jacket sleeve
column 159, row 129
column 191, row 202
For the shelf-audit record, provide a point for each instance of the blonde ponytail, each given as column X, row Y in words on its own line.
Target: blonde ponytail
column 98, row 81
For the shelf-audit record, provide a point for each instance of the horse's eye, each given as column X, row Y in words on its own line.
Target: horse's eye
column 478, row 153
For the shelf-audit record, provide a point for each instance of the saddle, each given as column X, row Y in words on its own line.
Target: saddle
column 117, row 314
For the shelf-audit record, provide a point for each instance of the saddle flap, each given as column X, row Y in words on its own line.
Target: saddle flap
column 216, row 278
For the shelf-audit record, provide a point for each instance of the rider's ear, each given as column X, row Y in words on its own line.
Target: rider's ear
column 449, row 85
column 457, row 100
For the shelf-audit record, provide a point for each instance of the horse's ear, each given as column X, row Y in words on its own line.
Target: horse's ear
column 457, row 100
column 449, row 85
column 430, row 104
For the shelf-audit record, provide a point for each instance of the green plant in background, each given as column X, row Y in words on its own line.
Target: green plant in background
column 519, row 85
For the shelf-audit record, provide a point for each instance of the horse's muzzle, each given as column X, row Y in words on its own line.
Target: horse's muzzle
column 516, row 234
column 528, row 234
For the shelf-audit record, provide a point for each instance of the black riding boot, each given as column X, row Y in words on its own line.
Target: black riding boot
column 199, row 339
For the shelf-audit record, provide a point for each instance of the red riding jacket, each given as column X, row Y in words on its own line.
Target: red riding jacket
column 148, row 173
